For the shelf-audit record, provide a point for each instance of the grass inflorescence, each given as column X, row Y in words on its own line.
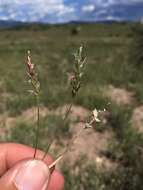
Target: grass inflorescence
column 75, row 83
column 35, row 84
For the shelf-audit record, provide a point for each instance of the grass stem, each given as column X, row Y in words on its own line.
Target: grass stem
column 64, row 120
column 38, row 126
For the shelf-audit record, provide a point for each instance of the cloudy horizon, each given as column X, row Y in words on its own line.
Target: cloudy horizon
column 59, row 11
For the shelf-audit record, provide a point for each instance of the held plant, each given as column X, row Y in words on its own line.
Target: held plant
column 35, row 85
column 76, row 77
column 75, row 83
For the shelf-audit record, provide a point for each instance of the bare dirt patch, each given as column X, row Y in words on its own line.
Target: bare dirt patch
column 90, row 144
column 119, row 95
column 31, row 113
column 137, row 119
column 76, row 112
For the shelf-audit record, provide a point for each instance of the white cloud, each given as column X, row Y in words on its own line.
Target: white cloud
column 65, row 10
column 88, row 8
column 112, row 18
column 3, row 17
column 103, row 3
column 123, row 2
column 56, row 10
column 130, row 1
column 33, row 10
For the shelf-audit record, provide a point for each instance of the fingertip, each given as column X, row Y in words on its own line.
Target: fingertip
column 48, row 159
column 9, row 156
column 56, row 181
column 28, row 174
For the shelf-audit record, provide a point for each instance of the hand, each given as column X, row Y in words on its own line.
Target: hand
column 19, row 171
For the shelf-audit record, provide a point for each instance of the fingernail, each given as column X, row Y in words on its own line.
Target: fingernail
column 33, row 175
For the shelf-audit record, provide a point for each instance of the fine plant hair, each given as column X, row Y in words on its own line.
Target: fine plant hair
column 75, row 85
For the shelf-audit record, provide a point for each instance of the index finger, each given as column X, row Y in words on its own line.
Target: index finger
column 11, row 153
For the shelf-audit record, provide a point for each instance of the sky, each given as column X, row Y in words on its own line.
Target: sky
column 60, row 11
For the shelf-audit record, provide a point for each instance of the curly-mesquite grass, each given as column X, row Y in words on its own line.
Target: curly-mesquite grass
column 35, row 84
column 75, row 83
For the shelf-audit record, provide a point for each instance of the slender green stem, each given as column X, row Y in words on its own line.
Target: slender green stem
column 38, row 126
column 64, row 119
column 70, row 106
column 46, row 151
column 67, row 112
column 67, row 148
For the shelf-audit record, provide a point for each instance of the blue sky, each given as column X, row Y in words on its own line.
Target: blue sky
column 57, row 11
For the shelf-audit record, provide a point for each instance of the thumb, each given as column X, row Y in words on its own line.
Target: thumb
column 26, row 175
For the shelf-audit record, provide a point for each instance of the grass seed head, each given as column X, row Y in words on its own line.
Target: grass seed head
column 78, row 71
column 32, row 75
column 30, row 65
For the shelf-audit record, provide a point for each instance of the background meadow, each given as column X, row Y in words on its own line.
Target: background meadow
column 113, row 80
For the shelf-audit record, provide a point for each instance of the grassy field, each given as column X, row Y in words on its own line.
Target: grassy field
column 107, row 48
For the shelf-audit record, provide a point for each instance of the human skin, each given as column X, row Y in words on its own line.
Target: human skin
column 14, row 158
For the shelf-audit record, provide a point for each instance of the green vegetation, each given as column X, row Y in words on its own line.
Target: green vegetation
column 110, row 61
column 52, row 49
column 51, row 128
